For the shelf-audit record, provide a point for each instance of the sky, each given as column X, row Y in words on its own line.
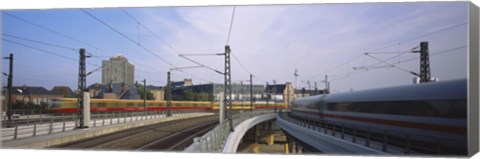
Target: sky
column 268, row 41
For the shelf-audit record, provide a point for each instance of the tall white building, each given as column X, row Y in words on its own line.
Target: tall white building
column 118, row 70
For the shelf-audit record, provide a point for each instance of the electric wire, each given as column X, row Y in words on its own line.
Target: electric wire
column 150, row 31
column 424, row 35
column 431, row 55
column 231, row 24
column 65, row 47
column 395, row 44
column 76, row 40
column 65, row 36
column 38, row 49
column 35, row 41
column 126, row 37
column 52, row 31
column 57, row 33
column 168, row 44
column 336, row 67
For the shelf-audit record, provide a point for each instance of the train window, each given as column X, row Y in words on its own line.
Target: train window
column 438, row 108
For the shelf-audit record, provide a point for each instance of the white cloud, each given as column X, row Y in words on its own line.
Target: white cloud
column 272, row 40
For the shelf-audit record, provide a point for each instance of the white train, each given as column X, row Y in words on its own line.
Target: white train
column 433, row 112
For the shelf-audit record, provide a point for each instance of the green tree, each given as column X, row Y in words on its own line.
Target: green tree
column 188, row 95
column 202, row 96
column 149, row 93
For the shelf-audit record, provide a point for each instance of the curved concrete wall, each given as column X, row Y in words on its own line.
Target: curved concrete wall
column 234, row 137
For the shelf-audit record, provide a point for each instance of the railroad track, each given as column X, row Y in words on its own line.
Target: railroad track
column 172, row 135
column 180, row 140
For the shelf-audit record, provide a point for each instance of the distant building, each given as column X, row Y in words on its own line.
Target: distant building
column 158, row 92
column 65, row 91
column 184, row 83
column 113, row 91
column 305, row 92
column 117, row 70
column 281, row 92
column 29, row 94
column 239, row 92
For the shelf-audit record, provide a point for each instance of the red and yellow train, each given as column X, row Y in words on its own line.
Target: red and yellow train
column 69, row 105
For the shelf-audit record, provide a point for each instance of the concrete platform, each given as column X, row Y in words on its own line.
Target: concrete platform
column 43, row 141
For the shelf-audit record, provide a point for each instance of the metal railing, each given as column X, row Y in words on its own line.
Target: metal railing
column 53, row 123
column 214, row 140
column 383, row 139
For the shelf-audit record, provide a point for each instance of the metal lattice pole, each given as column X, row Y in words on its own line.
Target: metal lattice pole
column 81, row 87
column 251, row 94
column 274, row 96
column 145, row 97
column 10, row 85
column 241, row 93
column 228, row 87
column 169, row 95
column 424, row 63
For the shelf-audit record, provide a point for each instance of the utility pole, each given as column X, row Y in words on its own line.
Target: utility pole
column 241, row 93
column 251, row 94
column 82, row 80
column 10, row 85
column 268, row 94
column 145, row 97
column 169, row 95
column 424, row 63
column 308, row 82
column 288, row 94
column 274, row 96
column 327, row 85
column 316, row 89
column 296, row 75
column 228, row 87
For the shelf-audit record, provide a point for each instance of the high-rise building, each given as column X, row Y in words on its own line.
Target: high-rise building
column 117, row 70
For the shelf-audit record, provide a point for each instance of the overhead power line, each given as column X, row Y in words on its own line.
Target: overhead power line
column 421, row 36
column 76, row 40
column 62, row 35
column 231, row 24
column 200, row 64
column 69, row 48
column 126, row 37
column 431, row 55
column 66, row 36
column 163, row 41
column 395, row 44
column 436, row 53
column 53, row 31
column 336, row 67
column 236, row 59
column 40, row 42
column 392, row 65
column 44, row 51
column 151, row 32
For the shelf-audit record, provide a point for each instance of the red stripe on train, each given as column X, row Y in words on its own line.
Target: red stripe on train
column 431, row 127
column 74, row 110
